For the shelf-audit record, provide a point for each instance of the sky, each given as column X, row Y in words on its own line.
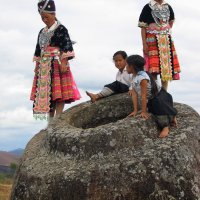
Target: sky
column 100, row 28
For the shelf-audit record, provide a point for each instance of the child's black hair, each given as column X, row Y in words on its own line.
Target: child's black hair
column 137, row 62
column 122, row 53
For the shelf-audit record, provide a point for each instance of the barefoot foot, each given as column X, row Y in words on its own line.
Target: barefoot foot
column 174, row 122
column 92, row 96
column 164, row 133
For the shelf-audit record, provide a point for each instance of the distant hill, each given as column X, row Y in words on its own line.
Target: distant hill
column 17, row 152
column 7, row 158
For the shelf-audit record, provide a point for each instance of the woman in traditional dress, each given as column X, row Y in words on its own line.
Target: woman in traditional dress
column 53, row 84
column 156, row 21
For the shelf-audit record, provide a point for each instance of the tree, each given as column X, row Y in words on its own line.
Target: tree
column 13, row 166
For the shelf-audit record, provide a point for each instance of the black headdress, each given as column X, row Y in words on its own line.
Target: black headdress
column 46, row 6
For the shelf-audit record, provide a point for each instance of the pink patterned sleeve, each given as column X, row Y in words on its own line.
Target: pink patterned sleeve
column 67, row 54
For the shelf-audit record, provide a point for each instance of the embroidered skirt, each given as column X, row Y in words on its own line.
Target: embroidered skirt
column 162, row 58
column 51, row 86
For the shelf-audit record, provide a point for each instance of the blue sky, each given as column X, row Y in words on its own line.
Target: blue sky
column 100, row 28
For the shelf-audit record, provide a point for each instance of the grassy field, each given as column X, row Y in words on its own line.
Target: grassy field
column 5, row 190
column 6, row 181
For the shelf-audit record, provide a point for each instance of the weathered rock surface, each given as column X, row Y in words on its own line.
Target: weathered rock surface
column 92, row 152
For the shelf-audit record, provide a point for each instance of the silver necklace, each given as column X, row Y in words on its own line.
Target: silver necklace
column 160, row 15
column 45, row 37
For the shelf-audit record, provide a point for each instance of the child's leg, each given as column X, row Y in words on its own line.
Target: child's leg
column 165, row 132
column 93, row 97
column 115, row 87
column 163, row 122
column 174, row 122
column 104, row 93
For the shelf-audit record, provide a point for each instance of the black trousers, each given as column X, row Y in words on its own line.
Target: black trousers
column 163, row 120
column 118, row 87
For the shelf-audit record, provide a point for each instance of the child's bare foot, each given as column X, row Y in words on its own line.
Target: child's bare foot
column 174, row 122
column 164, row 133
column 92, row 96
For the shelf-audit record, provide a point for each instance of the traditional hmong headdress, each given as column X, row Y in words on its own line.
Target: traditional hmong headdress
column 46, row 6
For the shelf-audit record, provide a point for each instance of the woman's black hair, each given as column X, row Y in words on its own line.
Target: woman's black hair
column 122, row 53
column 137, row 62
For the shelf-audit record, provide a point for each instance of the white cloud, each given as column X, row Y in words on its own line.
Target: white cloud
column 17, row 126
column 22, row 117
column 17, row 138
column 15, row 91
column 17, row 118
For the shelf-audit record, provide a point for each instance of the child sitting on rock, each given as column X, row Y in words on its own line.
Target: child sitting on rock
column 145, row 93
column 123, row 79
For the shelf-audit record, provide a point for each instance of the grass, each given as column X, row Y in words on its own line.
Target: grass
column 6, row 178
column 6, row 181
column 5, row 190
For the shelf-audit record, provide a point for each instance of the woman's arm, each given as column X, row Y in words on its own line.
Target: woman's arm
column 144, row 40
column 143, row 85
column 171, row 17
column 65, row 45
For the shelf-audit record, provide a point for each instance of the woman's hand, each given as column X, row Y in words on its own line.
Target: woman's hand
column 144, row 115
column 133, row 114
column 145, row 48
column 63, row 68
column 36, row 67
